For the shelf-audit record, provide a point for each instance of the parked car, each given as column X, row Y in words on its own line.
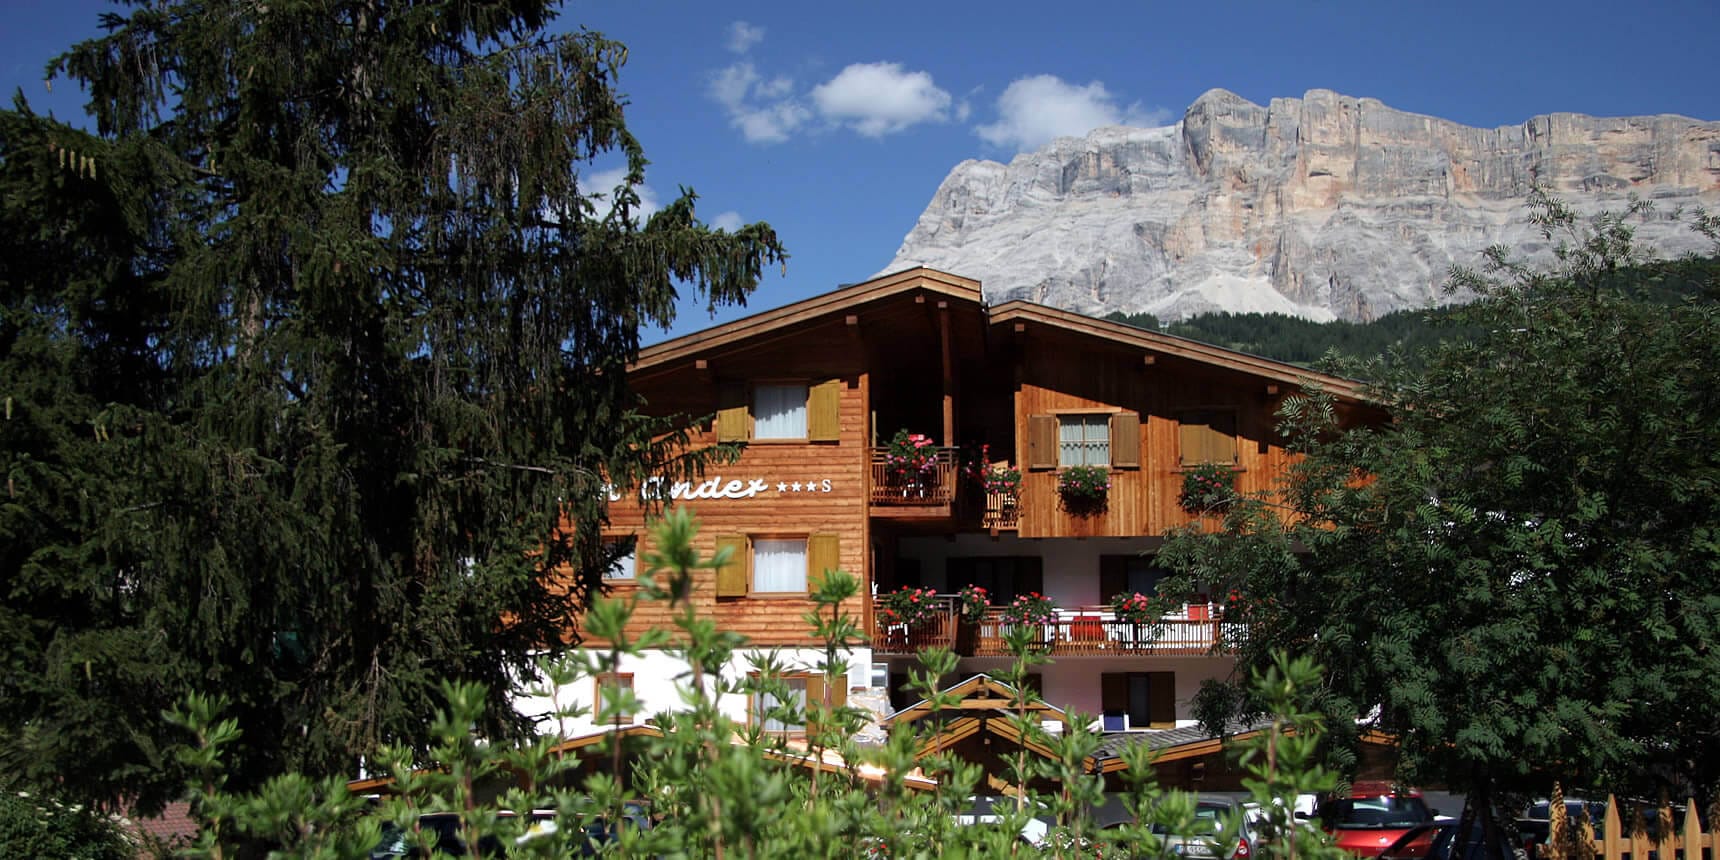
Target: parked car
column 1436, row 841
column 1536, row 825
column 1211, row 813
column 441, row 835
column 1373, row 816
column 991, row 810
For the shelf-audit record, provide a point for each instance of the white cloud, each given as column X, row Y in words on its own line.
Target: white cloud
column 876, row 99
column 1033, row 110
column 764, row 111
column 730, row 221
column 601, row 185
column 742, row 36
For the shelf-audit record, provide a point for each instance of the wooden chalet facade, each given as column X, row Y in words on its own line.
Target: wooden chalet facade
column 817, row 388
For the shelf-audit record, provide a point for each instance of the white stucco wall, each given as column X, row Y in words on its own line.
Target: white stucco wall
column 659, row 677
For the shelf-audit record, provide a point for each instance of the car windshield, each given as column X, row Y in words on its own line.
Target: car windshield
column 1383, row 811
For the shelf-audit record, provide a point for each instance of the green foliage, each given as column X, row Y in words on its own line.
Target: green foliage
column 303, row 356
column 1207, row 487
column 49, row 829
column 1520, row 571
column 1084, row 490
column 714, row 789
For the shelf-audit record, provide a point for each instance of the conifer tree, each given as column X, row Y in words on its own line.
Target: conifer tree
column 313, row 365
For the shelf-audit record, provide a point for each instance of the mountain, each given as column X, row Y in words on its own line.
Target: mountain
column 1324, row 207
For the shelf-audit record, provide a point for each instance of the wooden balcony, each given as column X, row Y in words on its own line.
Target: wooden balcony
column 1092, row 631
column 925, row 494
column 1002, row 510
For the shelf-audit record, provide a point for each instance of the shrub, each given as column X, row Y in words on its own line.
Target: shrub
column 46, row 828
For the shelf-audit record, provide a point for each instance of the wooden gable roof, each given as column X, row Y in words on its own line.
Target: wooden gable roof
column 1153, row 344
column 846, row 300
column 978, row 693
column 856, row 301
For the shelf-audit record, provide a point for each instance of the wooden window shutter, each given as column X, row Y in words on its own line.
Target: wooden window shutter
column 1113, row 576
column 823, row 553
column 824, row 411
column 814, row 691
column 1126, row 440
column 732, row 576
column 1191, row 438
column 1041, row 441
column 1221, row 438
column 1114, row 692
column 1161, row 699
column 734, row 422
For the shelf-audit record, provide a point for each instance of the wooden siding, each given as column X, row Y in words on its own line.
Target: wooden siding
column 835, row 519
column 1061, row 375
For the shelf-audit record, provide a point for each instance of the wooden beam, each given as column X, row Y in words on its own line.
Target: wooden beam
column 1149, row 360
column 949, row 368
column 1020, row 327
column 701, row 364
column 1271, row 391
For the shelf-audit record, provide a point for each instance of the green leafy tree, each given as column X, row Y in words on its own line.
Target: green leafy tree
column 1518, row 575
column 312, row 358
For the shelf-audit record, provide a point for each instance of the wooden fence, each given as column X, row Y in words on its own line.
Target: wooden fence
column 1665, row 838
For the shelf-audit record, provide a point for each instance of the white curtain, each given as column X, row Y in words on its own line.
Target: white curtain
column 779, row 565
column 779, row 412
column 767, row 702
column 1083, row 440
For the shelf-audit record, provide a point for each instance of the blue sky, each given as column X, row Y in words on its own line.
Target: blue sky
column 835, row 122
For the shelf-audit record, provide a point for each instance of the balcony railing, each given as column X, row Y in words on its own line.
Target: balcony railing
column 1002, row 510
column 1075, row 632
column 929, row 488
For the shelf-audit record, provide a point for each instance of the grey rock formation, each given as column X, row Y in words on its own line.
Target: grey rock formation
column 1324, row 207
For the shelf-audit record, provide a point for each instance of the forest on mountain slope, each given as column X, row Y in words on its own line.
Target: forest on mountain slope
column 1304, row 342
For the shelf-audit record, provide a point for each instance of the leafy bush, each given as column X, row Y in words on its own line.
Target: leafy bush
column 716, row 789
column 47, row 829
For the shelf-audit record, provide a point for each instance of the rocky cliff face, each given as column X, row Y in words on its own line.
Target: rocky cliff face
column 1325, row 206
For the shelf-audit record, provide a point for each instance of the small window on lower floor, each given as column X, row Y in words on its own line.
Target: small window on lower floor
column 625, row 567
column 609, row 687
column 1146, row 699
column 765, row 712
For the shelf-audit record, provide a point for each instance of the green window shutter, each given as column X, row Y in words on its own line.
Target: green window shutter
column 824, row 411
column 732, row 576
column 734, row 422
column 1041, row 441
column 823, row 553
column 1126, row 440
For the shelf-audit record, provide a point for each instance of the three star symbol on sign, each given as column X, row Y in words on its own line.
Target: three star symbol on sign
column 808, row 486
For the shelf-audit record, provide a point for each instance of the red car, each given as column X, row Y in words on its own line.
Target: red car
column 1372, row 817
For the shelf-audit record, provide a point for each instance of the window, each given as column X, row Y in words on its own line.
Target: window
column 612, row 682
column 1003, row 577
column 783, row 411
column 1083, row 440
column 779, row 565
column 1088, row 438
column 779, row 412
column 775, row 565
column 765, row 703
column 1207, row 436
column 625, row 567
column 806, row 691
column 1144, row 699
column 1129, row 574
